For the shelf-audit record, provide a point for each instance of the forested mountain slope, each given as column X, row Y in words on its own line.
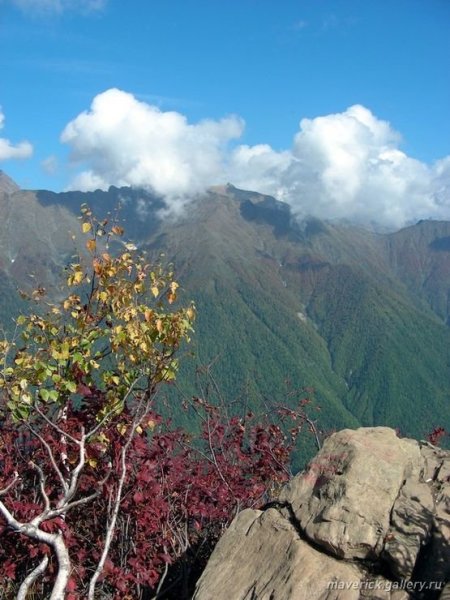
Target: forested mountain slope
column 359, row 316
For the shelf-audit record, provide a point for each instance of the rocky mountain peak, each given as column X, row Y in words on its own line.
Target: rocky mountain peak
column 7, row 185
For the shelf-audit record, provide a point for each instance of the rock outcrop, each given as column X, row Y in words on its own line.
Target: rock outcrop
column 369, row 518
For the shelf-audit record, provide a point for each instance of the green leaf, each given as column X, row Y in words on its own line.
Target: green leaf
column 70, row 386
column 44, row 394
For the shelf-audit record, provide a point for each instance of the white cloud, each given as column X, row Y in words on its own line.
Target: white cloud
column 9, row 150
column 58, row 6
column 349, row 165
column 128, row 142
column 50, row 165
column 345, row 165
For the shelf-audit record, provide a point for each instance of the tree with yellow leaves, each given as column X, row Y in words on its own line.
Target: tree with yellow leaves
column 76, row 375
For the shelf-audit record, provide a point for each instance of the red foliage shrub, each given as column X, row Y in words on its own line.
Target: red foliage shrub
column 179, row 494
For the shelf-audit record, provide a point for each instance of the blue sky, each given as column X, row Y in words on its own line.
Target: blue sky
column 253, row 69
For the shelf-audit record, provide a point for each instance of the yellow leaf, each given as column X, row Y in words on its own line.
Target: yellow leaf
column 159, row 326
column 139, row 429
column 92, row 462
column 78, row 277
column 121, row 428
column 91, row 245
column 86, row 227
column 26, row 398
column 97, row 266
column 155, row 290
column 103, row 439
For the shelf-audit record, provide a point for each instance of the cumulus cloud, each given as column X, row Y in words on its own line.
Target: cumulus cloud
column 58, row 6
column 9, row 150
column 349, row 166
column 346, row 165
column 128, row 142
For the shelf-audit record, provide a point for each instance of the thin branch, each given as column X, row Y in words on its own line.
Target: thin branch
column 141, row 410
column 64, row 508
column 161, row 581
column 72, row 488
column 51, row 456
column 213, row 454
column 6, row 489
column 55, row 426
column 44, row 495
column 314, row 430
column 31, row 578
column 112, row 411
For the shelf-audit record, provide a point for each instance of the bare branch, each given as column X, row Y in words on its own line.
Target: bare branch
column 55, row 540
column 64, row 508
column 6, row 489
column 214, row 458
column 162, row 579
column 72, row 488
column 31, row 578
column 141, row 410
column 9, row 517
column 314, row 430
column 52, row 458
column 44, row 495
column 55, row 426
column 111, row 412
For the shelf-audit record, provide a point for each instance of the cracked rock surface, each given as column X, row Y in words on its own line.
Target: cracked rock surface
column 369, row 518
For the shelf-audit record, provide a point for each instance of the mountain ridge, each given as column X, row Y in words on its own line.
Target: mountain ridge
column 360, row 316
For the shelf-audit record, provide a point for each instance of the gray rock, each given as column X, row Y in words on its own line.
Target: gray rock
column 368, row 503
column 262, row 557
column 344, row 500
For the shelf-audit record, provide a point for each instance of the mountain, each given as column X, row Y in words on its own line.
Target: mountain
column 361, row 317
column 7, row 185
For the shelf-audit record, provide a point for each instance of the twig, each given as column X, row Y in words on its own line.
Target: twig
column 141, row 410
column 55, row 426
column 162, row 579
column 52, row 458
column 6, row 489
column 42, row 490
